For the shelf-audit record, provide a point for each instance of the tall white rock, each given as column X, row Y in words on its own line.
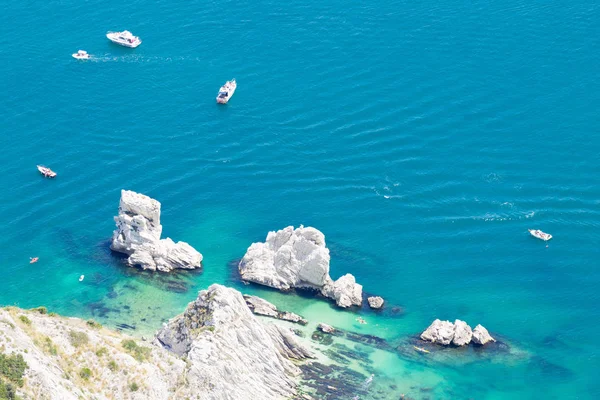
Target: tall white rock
column 138, row 235
column 231, row 354
column 297, row 258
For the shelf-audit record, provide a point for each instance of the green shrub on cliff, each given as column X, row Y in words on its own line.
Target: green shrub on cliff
column 78, row 338
column 12, row 368
column 41, row 310
column 24, row 319
column 140, row 353
column 85, row 373
column 94, row 324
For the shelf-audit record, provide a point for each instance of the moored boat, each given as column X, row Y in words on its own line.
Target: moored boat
column 46, row 172
column 81, row 55
column 226, row 91
column 124, row 38
column 536, row 233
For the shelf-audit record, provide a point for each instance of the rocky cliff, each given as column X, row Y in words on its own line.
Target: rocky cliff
column 138, row 235
column 298, row 258
column 216, row 350
column 232, row 354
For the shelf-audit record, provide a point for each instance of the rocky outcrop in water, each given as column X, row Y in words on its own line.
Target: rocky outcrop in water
column 138, row 236
column 298, row 258
column 326, row 328
column 232, row 355
column 262, row 307
column 481, row 336
column 457, row 333
column 375, row 302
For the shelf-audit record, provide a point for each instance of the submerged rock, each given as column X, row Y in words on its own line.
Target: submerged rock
column 297, row 258
column 233, row 355
column 375, row 302
column 138, row 236
column 481, row 336
column 462, row 333
column 262, row 307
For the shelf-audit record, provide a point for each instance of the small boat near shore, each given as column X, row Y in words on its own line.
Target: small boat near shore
column 536, row 233
column 46, row 172
column 421, row 350
column 33, row 260
column 124, row 38
column 81, row 55
column 226, row 91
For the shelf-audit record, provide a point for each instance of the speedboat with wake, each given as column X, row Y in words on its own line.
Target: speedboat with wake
column 226, row 91
column 536, row 233
column 81, row 55
column 47, row 172
column 124, row 38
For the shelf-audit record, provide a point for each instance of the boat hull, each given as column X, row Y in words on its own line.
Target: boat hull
column 540, row 235
column 231, row 91
column 123, row 43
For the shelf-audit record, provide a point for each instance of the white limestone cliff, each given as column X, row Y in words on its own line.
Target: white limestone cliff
column 138, row 235
column 298, row 258
column 233, row 355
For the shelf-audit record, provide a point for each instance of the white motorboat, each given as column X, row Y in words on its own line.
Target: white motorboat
column 81, row 55
column 226, row 91
column 47, row 172
column 124, row 38
column 536, row 233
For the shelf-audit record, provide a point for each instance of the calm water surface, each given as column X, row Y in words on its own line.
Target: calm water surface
column 423, row 139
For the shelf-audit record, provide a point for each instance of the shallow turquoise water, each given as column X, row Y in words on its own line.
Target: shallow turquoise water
column 423, row 139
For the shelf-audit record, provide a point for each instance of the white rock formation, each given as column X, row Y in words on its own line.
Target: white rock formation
column 138, row 235
column 345, row 291
column 326, row 328
column 459, row 333
column 232, row 355
column 481, row 336
column 260, row 306
column 375, row 302
column 297, row 258
column 440, row 332
column 462, row 333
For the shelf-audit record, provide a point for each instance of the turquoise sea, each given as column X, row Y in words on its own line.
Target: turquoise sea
column 423, row 139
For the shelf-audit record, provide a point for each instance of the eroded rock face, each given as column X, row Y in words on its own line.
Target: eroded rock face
column 375, row 302
column 481, row 336
column 297, row 258
column 138, row 235
column 440, row 332
column 462, row 333
column 232, row 354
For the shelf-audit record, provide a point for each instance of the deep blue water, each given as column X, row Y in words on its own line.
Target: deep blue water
column 423, row 139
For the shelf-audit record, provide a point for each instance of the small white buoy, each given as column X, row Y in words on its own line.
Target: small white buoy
column 81, row 278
